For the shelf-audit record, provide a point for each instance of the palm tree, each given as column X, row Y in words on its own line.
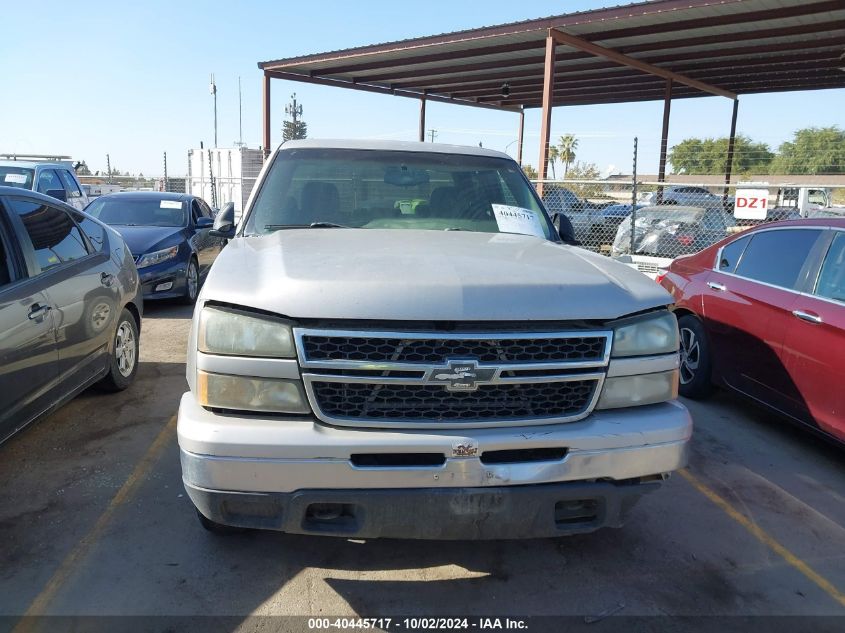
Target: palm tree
column 554, row 154
column 566, row 151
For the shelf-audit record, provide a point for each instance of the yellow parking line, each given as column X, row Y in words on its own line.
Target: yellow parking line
column 761, row 535
column 77, row 554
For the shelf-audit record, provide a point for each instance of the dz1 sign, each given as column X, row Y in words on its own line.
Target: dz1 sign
column 751, row 204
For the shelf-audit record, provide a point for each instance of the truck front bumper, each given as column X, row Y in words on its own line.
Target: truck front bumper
column 300, row 476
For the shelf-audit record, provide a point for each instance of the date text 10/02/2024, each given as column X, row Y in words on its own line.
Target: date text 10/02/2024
column 418, row 624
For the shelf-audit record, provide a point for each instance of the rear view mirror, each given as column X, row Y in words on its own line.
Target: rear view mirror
column 224, row 222
column 58, row 194
column 405, row 177
column 204, row 223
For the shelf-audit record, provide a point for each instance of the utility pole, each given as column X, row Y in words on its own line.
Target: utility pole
column 433, row 134
column 108, row 167
column 166, row 183
column 240, row 116
column 213, row 89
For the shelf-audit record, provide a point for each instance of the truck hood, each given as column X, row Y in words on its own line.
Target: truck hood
column 419, row 275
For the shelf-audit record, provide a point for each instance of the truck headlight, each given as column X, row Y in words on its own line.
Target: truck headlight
column 632, row 391
column 244, row 393
column 234, row 333
column 648, row 336
column 156, row 257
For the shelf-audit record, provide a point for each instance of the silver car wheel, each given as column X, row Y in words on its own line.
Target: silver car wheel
column 192, row 279
column 690, row 355
column 124, row 349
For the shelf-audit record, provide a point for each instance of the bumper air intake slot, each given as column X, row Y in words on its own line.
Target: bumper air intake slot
column 396, row 460
column 523, row 455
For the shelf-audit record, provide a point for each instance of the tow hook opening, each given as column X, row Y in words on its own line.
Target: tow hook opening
column 575, row 511
column 330, row 517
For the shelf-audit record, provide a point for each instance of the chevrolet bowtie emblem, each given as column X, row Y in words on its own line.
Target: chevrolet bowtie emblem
column 462, row 375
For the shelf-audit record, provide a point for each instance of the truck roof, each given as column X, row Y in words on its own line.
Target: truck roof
column 401, row 146
column 32, row 164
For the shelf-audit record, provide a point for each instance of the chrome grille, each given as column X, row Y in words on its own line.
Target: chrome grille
column 452, row 379
column 438, row 350
column 432, row 403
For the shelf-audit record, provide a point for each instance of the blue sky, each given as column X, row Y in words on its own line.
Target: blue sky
column 131, row 80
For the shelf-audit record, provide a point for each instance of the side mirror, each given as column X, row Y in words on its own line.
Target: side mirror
column 224, row 223
column 564, row 229
column 204, row 223
column 58, row 194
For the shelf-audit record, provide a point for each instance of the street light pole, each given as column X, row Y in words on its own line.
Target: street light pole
column 507, row 147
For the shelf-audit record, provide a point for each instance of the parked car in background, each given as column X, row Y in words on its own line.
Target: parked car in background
column 688, row 195
column 55, row 178
column 591, row 225
column 763, row 314
column 70, row 307
column 669, row 231
column 168, row 234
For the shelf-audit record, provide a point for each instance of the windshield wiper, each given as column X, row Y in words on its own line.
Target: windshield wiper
column 313, row 225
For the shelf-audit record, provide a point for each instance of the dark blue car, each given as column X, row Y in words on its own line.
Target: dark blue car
column 168, row 234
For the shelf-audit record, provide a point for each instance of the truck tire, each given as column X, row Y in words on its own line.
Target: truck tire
column 695, row 370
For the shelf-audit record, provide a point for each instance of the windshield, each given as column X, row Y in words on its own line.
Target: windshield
column 147, row 212
column 384, row 189
column 16, row 177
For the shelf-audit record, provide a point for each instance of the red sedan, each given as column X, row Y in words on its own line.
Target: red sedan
column 763, row 313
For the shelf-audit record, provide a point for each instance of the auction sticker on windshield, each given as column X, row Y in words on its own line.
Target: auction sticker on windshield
column 517, row 220
column 170, row 204
column 17, row 178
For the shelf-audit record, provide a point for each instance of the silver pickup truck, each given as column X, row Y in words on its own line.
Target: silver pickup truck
column 396, row 342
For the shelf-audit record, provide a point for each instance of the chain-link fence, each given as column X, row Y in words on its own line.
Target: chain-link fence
column 672, row 219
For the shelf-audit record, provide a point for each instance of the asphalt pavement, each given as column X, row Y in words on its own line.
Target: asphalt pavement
column 94, row 521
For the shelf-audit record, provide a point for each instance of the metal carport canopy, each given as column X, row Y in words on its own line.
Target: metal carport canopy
column 664, row 49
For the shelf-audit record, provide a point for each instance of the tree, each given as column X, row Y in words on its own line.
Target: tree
column 530, row 172
column 553, row 156
column 295, row 128
column 586, row 171
column 566, row 151
column 710, row 156
column 813, row 150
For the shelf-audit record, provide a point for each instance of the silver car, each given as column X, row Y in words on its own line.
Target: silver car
column 54, row 178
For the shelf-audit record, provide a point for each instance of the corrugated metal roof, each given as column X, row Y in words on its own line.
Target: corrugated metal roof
column 742, row 46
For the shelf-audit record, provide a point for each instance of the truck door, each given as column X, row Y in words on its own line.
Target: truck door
column 75, row 196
